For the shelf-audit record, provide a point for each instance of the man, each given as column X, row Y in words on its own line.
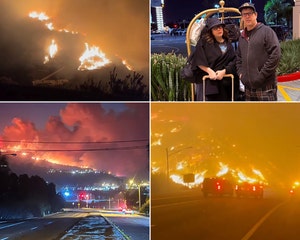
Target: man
column 258, row 55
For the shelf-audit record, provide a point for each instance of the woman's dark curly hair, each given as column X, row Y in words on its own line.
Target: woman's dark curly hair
column 209, row 37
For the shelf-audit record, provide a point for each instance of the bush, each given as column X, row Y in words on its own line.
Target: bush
column 290, row 59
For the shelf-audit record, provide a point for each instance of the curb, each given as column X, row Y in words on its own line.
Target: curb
column 289, row 77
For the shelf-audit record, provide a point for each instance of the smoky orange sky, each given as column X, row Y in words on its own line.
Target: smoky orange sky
column 118, row 27
column 123, row 130
column 243, row 136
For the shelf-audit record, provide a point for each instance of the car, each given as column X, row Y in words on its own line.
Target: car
column 294, row 190
column 246, row 189
column 217, row 187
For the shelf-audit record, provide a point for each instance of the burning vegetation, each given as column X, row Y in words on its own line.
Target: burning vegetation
column 58, row 63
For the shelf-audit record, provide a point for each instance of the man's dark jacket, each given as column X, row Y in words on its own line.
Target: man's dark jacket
column 258, row 56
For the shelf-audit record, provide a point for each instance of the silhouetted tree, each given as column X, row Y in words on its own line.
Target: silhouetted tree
column 24, row 196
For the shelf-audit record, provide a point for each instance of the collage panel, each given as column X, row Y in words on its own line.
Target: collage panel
column 74, row 171
column 225, row 51
column 225, row 171
column 66, row 50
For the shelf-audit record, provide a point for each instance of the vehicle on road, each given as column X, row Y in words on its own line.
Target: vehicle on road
column 217, row 187
column 246, row 189
column 294, row 190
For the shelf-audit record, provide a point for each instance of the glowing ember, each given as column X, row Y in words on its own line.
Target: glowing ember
column 92, row 59
column 127, row 65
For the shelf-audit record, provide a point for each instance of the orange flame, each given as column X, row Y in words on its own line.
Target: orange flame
column 40, row 16
column 129, row 67
column 52, row 50
column 92, row 59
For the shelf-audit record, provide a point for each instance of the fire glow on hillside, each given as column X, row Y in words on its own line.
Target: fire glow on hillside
column 92, row 58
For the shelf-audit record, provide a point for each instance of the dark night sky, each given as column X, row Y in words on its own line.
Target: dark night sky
column 186, row 9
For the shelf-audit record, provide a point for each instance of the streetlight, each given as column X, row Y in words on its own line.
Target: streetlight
column 168, row 155
column 139, row 186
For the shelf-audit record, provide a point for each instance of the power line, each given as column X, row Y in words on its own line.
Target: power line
column 86, row 150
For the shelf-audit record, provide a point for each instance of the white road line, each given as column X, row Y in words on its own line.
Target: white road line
column 260, row 222
column 174, row 204
column 11, row 225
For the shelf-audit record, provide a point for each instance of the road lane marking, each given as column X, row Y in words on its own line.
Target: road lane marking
column 174, row 204
column 260, row 222
column 284, row 93
column 11, row 225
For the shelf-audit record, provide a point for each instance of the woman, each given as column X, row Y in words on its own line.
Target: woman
column 214, row 56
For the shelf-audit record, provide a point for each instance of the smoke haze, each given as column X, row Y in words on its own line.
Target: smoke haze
column 84, row 123
column 118, row 27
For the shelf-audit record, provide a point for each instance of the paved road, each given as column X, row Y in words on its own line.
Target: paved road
column 49, row 227
column 79, row 224
column 224, row 218
column 162, row 43
column 133, row 225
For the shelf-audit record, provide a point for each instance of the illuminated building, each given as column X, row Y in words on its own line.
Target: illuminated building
column 158, row 6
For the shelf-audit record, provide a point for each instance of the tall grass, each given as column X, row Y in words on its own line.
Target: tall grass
column 166, row 83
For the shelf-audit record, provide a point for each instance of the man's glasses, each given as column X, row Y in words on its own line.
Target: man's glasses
column 247, row 14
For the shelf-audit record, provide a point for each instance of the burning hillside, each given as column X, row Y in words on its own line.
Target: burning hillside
column 41, row 38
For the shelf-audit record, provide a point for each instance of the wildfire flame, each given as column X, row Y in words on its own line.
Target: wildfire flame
column 224, row 169
column 239, row 176
column 92, row 58
column 129, row 67
column 52, row 50
column 40, row 16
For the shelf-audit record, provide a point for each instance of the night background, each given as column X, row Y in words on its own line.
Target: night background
column 71, row 50
column 80, row 152
column 176, row 11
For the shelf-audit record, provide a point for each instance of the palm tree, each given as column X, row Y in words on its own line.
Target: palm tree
column 278, row 12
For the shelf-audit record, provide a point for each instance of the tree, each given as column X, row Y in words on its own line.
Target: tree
column 278, row 12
